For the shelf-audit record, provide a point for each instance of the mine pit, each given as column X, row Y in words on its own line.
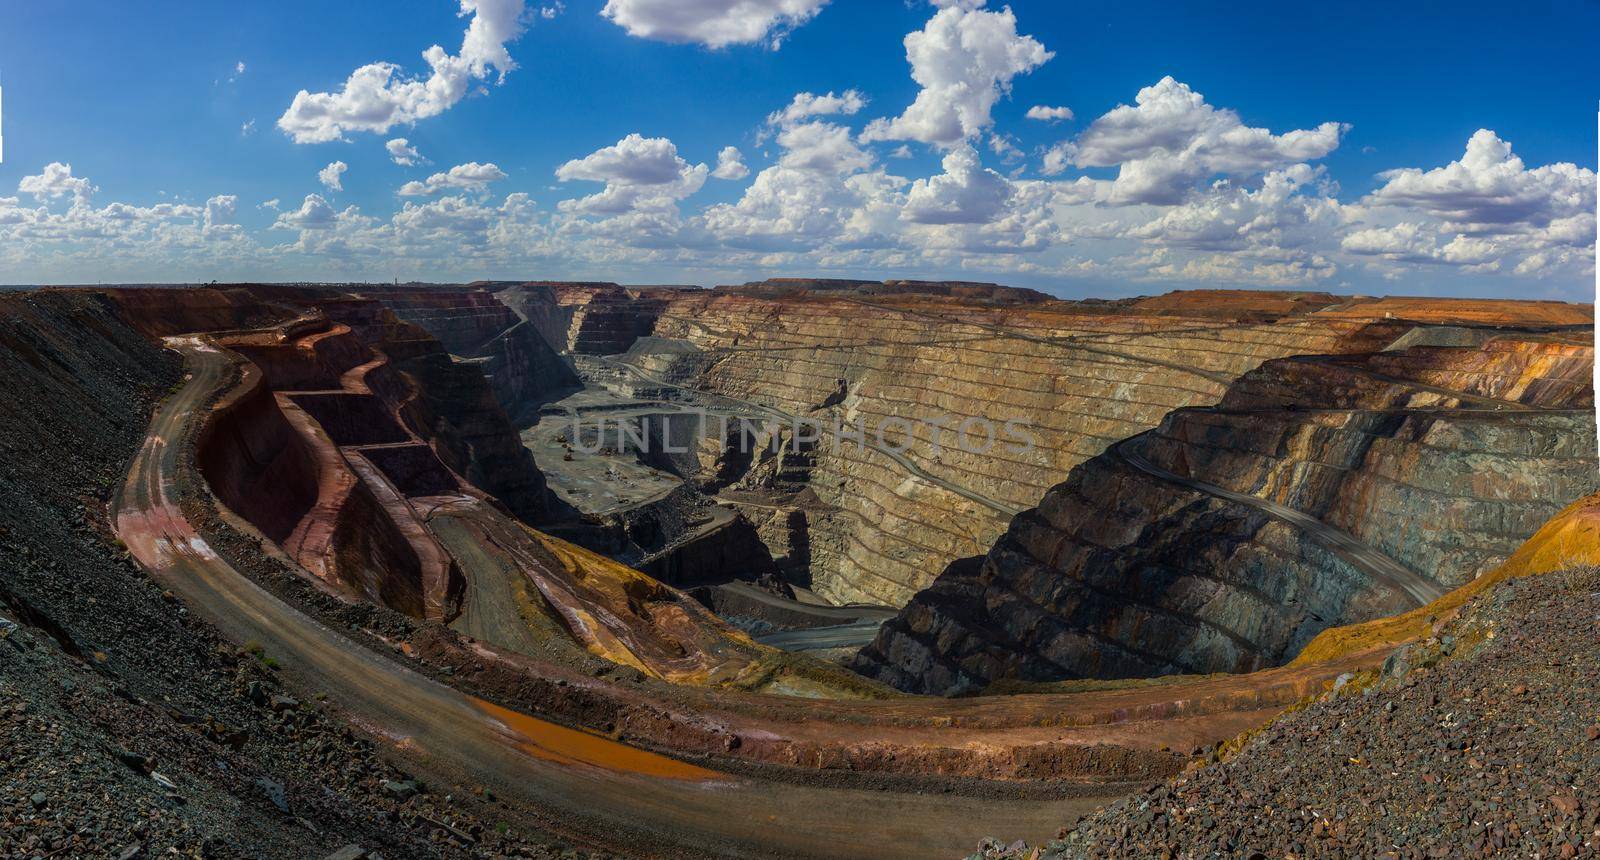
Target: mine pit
column 662, row 429
column 599, row 509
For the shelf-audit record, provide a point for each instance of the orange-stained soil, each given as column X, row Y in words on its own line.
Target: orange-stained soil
column 570, row 746
column 1570, row 539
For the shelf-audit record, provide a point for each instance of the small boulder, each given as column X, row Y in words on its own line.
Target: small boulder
column 1566, row 803
column 401, row 790
column 274, row 792
column 136, row 762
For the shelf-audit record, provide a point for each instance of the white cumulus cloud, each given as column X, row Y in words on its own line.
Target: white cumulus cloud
column 1049, row 114
column 56, row 180
column 1170, row 138
column 639, row 173
column 964, row 60
column 1486, row 211
column 713, row 23
column 807, row 105
column 966, row 193
column 1289, row 215
column 315, row 213
column 471, row 176
column 730, row 164
column 401, row 152
column 819, row 191
column 221, row 215
column 379, row 96
column 1491, row 186
column 331, row 176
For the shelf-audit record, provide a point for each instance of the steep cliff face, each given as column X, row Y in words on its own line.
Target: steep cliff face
column 474, row 326
column 586, row 317
column 286, row 450
column 1070, row 377
column 452, row 404
column 1320, row 491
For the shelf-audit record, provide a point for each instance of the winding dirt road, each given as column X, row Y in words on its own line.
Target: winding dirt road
column 1380, row 567
column 843, row 627
column 588, row 787
column 855, row 634
column 837, row 614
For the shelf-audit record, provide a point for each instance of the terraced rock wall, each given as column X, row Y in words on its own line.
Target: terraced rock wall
column 523, row 370
column 258, row 466
column 1120, row 572
column 451, row 404
column 1075, row 379
column 587, row 318
column 274, row 459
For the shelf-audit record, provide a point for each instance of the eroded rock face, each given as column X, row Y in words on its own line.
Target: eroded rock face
column 1077, row 376
column 287, row 451
column 1120, row 572
column 591, row 318
column 474, row 326
column 452, row 404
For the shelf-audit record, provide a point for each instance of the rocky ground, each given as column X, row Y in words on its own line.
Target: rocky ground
column 1481, row 741
column 127, row 728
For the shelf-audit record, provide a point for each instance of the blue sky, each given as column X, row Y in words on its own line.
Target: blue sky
column 1261, row 162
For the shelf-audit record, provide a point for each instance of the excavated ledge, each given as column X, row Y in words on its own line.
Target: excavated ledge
column 1100, row 735
column 1081, row 376
column 1165, row 555
column 276, row 458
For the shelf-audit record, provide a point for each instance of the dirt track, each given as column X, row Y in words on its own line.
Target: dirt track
column 1377, row 565
column 852, row 635
column 594, row 789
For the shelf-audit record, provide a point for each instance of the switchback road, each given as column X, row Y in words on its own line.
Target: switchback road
column 584, row 785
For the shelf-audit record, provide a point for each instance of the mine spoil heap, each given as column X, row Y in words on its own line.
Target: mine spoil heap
column 1481, row 741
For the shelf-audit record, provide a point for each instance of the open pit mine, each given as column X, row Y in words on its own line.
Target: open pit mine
column 794, row 568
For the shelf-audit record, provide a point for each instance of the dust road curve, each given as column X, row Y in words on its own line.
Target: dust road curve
column 852, row 626
column 853, row 635
column 586, row 786
column 841, row 613
column 1377, row 565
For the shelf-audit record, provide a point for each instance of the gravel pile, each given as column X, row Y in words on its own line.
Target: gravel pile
column 1483, row 741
